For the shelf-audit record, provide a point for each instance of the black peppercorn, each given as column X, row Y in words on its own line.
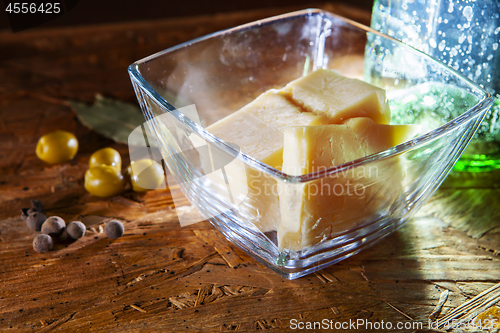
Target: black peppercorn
column 53, row 226
column 114, row 229
column 35, row 221
column 75, row 229
column 42, row 243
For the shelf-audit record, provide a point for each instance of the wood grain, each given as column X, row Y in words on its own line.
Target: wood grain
column 160, row 276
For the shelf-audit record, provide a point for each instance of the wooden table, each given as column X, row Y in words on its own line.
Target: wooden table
column 160, row 276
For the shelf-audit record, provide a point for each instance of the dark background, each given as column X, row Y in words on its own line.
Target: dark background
column 108, row 11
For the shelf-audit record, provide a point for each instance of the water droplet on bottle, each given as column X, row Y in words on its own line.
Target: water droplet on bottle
column 468, row 13
column 478, row 71
column 441, row 45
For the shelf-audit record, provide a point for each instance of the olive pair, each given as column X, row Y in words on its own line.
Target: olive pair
column 104, row 177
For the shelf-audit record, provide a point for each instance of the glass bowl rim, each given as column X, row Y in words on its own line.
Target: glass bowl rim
column 421, row 140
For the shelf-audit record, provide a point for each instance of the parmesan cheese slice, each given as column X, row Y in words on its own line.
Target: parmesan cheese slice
column 317, row 210
column 326, row 92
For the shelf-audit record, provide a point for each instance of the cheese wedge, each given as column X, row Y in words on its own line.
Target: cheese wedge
column 328, row 93
column 257, row 129
column 317, row 210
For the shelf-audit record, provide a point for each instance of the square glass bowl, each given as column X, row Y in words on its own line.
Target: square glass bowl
column 184, row 89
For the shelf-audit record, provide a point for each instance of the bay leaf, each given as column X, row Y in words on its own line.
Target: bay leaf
column 113, row 119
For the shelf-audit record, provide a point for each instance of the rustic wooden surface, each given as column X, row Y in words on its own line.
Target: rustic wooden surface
column 160, row 276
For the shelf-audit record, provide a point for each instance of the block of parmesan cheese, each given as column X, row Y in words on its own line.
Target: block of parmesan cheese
column 320, row 98
column 329, row 93
column 258, row 127
column 317, row 210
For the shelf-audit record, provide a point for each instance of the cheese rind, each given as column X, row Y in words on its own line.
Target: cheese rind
column 337, row 97
column 314, row 211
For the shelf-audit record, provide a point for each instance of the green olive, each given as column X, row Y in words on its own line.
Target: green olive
column 106, row 156
column 104, row 181
column 145, row 175
column 57, row 147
